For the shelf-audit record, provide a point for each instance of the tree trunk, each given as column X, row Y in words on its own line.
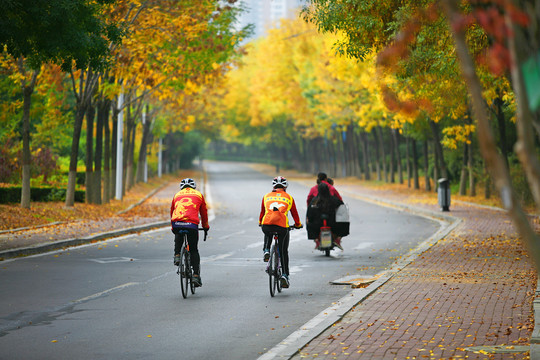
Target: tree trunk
column 392, row 156
column 83, row 96
column 436, row 166
column 415, row 165
column 365, row 156
column 396, row 139
column 27, row 155
column 463, row 176
column 470, row 165
column 408, row 155
column 114, row 148
column 128, row 155
column 427, row 186
column 377, row 154
column 356, row 150
column 522, row 48
column 72, row 177
column 102, row 114
column 333, row 157
column 438, row 148
column 89, row 161
column 502, row 127
column 487, row 184
column 488, row 147
column 143, row 148
column 384, row 163
column 107, row 156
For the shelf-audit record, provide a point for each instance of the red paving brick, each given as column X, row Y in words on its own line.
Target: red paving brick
column 473, row 288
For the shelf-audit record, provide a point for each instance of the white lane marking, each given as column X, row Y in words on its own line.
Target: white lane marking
column 233, row 234
column 113, row 260
column 297, row 269
column 216, row 257
column 363, row 245
column 101, row 293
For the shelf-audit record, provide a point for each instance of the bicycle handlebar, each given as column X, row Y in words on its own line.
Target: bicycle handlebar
column 291, row 227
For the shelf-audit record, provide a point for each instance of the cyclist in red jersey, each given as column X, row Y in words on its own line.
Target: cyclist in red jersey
column 186, row 206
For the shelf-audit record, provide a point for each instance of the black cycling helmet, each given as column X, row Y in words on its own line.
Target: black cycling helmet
column 279, row 181
column 188, row 182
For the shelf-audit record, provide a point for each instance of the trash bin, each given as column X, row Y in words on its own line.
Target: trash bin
column 444, row 194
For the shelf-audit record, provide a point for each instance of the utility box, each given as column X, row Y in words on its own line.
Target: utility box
column 444, row 194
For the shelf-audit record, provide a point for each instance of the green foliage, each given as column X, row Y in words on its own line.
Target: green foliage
column 365, row 23
column 43, row 163
column 57, row 31
column 519, row 181
column 191, row 147
column 9, row 166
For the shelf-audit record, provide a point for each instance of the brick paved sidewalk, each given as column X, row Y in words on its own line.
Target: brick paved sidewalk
column 474, row 288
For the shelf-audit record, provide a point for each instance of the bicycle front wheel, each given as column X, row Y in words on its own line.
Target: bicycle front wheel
column 272, row 279
column 278, row 272
column 185, row 271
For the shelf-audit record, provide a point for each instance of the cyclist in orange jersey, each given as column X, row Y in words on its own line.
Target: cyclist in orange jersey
column 273, row 218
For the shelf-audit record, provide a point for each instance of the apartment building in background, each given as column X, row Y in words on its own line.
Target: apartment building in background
column 265, row 14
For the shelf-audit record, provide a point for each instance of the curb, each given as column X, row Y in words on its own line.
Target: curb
column 62, row 244
column 58, row 245
column 152, row 193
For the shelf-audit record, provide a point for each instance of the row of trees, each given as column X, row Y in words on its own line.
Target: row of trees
column 344, row 88
column 319, row 109
column 117, row 67
column 501, row 35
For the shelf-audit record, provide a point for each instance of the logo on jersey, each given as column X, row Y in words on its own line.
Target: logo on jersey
column 275, row 205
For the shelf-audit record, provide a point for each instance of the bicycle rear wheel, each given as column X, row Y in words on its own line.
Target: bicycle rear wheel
column 272, row 280
column 191, row 284
column 185, row 271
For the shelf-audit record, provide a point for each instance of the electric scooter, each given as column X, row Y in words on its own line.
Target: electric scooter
column 326, row 240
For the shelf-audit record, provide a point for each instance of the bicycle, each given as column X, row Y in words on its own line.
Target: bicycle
column 273, row 269
column 184, row 266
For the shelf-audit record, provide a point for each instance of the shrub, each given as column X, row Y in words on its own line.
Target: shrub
column 12, row 194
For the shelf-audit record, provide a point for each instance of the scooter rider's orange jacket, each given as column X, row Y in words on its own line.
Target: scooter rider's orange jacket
column 275, row 207
column 186, row 206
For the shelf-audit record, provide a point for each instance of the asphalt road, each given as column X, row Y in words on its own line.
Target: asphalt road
column 121, row 299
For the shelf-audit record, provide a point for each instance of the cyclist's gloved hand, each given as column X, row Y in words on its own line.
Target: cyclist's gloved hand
column 298, row 226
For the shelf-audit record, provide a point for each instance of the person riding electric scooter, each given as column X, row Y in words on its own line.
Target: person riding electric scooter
column 321, row 220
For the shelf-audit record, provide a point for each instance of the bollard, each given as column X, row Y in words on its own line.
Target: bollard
column 444, row 194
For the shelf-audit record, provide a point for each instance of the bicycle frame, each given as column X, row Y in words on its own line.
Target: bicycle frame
column 184, row 267
column 273, row 268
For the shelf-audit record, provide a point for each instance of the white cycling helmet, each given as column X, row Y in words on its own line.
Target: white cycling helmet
column 188, row 182
column 280, row 180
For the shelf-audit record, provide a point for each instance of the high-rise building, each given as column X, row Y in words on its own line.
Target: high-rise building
column 265, row 14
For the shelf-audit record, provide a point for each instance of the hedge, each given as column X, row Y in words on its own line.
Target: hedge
column 12, row 194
